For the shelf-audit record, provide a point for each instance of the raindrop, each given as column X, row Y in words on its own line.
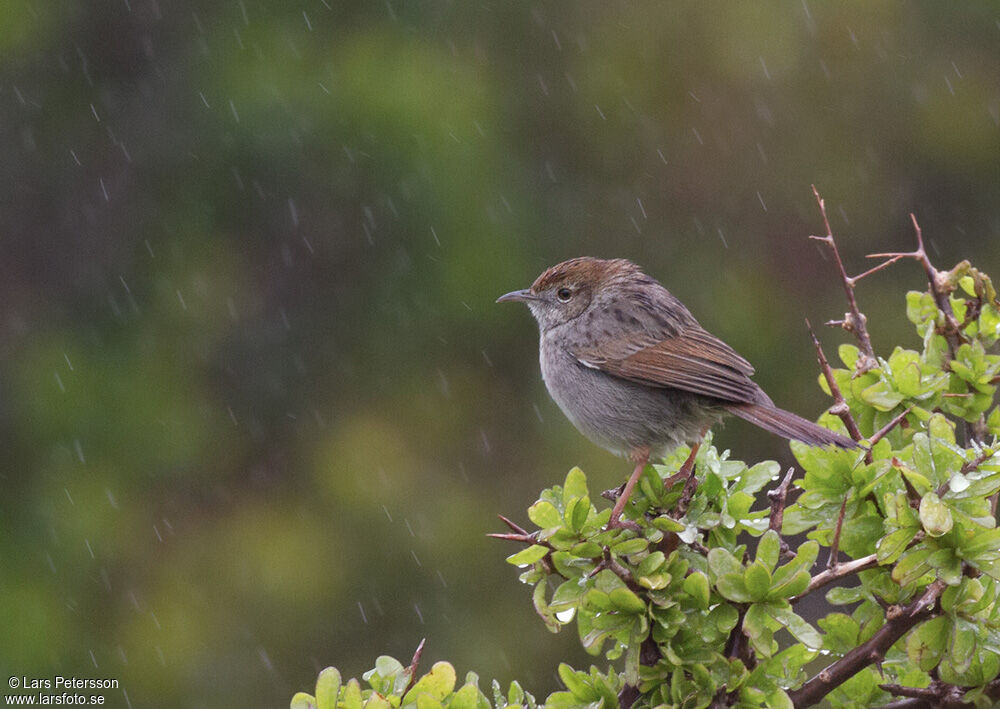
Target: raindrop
column 232, row 107
column 763, row 65
column 761, row 200
column 306, row 18
column 641, row 208
column 59, row 382
column 600, row 112
column 419, row 614
column 364, row 618
column 79, row 451
column 416, row 558
column 722, row 236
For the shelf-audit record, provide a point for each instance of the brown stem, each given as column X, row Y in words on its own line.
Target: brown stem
column 968, row 467
column 778, row 497
column 840, row 407
column 838, row 572
column 938, row 287
column 869, row 652
column 854, row 321
column 414, row 663
column 885, row 430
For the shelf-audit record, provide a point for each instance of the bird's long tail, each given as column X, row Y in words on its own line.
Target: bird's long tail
column 788, row 425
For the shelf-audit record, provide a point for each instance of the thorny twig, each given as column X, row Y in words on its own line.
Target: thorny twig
column 838, row 572
column 968, row 467
column 939, row 287
column 840, row 407
column 414, row 663
column 885, row 430
column 778, row 497
column 854, row 321
column 869, row 652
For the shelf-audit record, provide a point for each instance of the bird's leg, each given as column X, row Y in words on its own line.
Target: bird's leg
column 641, row 457
column 687, row 469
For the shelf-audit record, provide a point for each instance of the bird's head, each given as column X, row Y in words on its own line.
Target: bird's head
column 567, row 289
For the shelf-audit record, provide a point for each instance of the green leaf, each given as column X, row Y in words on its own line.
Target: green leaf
column 668, row 524
column 575, row 682
column 351, row 696
column 733, row 587
column 934, row 515
column 575, row 486
column 423, row 701
column 466, row 698
column 626, row 601
column 842, row 596
column 545, row 515
column 722, row 562
column 328, row 688
column 768, row 549
column 301, row 700
column 926, row 643
column 911, row 566
column 696, row 585
column 799, row 628
column 758, row 581
column 580, row 513
column 630, row 546
column 756, row 477
column 792, row 587
column 567, row 595
column 651, row 563
column 848, row 354
column 962, row 644
column 881, row 396
column 892, row 545
column 438, row 683
column 526, row 557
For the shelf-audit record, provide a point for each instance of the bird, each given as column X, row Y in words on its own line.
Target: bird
column 634, row 371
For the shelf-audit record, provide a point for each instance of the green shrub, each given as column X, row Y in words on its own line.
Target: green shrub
column 695, row 602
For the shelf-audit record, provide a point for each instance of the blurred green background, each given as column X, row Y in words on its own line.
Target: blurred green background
column 257, row 405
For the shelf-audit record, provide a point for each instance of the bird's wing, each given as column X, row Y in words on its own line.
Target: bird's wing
column 690, row 359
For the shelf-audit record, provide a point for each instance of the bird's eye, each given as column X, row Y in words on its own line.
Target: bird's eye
column 564, row 294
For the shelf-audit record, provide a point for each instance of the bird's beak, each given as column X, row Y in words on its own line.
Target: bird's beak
column 517, row 295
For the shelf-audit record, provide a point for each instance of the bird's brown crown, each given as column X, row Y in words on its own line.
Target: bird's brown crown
column 584, row 269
